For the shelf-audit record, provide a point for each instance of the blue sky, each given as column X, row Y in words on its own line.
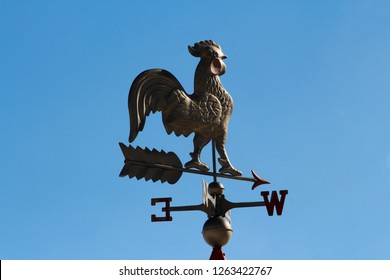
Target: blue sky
column 311, row 87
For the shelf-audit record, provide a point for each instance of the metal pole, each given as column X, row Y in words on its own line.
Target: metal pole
column 214, row 162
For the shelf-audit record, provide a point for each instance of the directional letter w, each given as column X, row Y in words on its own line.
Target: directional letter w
column 275, row 202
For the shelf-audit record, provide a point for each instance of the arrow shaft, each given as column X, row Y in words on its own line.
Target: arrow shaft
column 178, row 169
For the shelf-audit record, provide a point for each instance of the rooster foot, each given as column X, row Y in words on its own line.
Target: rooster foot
column 230, row 170
column 197, row 165
column 227, row 168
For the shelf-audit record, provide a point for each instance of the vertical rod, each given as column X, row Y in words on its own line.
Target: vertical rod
column 214, row 162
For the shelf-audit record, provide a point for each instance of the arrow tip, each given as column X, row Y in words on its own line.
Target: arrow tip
column 258, row 181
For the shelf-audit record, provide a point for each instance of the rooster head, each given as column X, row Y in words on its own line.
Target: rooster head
column 212, row 53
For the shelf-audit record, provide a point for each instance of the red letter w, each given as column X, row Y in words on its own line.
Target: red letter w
column 275, row 202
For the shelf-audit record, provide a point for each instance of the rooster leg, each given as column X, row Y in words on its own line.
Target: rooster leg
column 224, row 160
column 199, row 143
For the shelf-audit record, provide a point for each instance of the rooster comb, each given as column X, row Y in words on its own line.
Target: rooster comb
column 199, row 48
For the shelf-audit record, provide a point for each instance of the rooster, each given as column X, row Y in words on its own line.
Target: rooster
column 206, row 112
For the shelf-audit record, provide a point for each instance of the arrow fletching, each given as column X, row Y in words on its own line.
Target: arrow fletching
column 150, row 164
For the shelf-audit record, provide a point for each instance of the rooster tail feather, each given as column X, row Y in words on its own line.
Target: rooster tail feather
column 148, row 93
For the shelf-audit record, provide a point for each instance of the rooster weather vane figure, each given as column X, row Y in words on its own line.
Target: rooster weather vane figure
column 206, row 113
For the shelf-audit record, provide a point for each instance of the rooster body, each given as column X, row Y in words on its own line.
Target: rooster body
column 205, row 113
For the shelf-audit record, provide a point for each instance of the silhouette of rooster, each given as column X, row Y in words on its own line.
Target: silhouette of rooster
column 206, row 112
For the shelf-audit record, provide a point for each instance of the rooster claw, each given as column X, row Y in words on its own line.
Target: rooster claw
column 230, row 170
column 227, row 168
column 197, row 165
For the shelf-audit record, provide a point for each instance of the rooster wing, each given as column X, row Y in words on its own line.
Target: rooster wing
column 158, row 90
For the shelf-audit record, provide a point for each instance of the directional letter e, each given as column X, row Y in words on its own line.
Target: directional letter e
column 275, row 202
column 165, row 209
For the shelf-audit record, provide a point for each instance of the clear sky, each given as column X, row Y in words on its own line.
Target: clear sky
column 311, row 87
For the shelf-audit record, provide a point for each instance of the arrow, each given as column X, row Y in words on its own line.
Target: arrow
column 148, row 164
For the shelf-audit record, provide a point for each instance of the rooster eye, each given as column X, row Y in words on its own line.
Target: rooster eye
column 213, row 53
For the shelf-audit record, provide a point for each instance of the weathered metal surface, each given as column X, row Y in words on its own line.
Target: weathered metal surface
column 167, row 167
column 215, row 204
column 150, row 164
column 217, row 231
column 205, row 113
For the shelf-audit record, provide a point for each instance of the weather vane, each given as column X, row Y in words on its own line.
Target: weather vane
column 206, row 113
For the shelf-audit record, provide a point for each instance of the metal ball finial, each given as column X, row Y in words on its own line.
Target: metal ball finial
column 217, row 231
column 215, row 188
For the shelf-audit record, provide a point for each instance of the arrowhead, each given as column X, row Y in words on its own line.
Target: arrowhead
column 258, row 180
